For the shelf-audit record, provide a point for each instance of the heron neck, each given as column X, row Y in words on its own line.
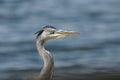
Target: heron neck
column 47, row 70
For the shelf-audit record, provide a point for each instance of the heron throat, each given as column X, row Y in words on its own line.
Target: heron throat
column 47, row 70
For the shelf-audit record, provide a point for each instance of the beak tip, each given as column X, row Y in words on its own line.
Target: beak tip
column 78, row 33
column 75, row 33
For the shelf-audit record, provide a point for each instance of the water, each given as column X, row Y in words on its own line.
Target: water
column 93, row 55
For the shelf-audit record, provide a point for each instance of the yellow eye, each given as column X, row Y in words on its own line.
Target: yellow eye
column 52, row 32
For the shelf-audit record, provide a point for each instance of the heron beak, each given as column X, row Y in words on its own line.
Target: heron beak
column 66, row 33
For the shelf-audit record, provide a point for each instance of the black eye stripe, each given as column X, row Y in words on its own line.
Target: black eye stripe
column 52, row 32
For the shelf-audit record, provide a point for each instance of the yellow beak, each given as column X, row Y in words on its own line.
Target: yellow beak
column 66, row 33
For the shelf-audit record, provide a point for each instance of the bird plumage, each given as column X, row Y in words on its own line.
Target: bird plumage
column 46, row 33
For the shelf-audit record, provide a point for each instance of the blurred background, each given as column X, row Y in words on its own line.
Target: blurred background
column 92, row 55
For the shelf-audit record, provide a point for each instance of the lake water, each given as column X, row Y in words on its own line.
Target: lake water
column 92, row 55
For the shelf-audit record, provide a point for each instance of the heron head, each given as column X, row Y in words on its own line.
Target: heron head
column 50, row 32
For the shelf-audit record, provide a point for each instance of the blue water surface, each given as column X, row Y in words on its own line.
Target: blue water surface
column 96, row 49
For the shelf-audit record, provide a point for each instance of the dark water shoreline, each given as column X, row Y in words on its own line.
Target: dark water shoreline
column 65, row 74
column 92, row 76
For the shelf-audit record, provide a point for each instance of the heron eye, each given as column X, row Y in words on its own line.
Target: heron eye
column 52, row 32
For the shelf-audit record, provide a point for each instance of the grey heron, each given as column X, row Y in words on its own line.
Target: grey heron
column 46, row 33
